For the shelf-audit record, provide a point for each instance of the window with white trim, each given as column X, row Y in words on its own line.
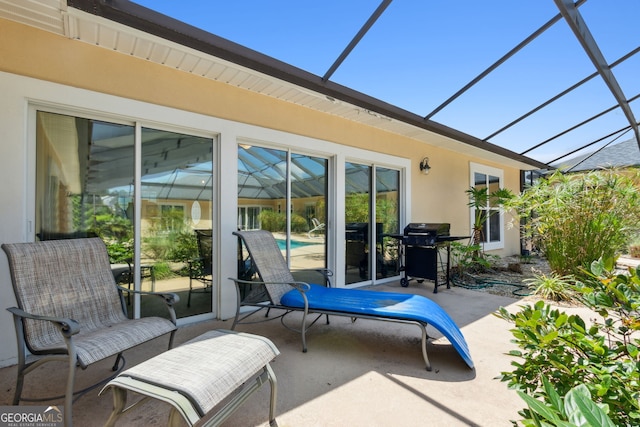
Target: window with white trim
column 487, row 221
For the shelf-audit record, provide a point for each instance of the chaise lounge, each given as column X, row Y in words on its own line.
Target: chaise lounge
column 285, row 293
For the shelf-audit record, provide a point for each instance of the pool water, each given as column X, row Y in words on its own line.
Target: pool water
column 282, row 244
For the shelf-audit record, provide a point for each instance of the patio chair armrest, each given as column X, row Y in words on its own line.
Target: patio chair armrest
column 327, row 273
column 67, row 326
column 300, row 286
column 169, row 297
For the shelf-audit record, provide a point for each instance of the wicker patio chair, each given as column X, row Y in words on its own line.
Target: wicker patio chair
column 70, row 309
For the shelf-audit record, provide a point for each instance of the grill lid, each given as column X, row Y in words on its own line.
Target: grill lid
column 431, row 229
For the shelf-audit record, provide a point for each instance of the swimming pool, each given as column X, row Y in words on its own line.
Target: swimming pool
column 282, row 244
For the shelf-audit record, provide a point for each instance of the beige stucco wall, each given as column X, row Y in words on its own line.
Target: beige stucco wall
column 26, row 51
column 437, row 197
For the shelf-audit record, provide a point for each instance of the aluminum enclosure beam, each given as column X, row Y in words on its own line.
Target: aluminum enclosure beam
column 570, row 13
column 352, row 44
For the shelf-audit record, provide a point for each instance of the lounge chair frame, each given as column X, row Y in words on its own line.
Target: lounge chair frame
column 260, row 242
column 302, row 287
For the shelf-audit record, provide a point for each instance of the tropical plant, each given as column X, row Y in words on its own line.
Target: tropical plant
column 574, row 409
column 116, row 232
column 566, row 351
column 470, row 258
column 473, row 258
column 575, row 219
column 480, row 199
column 552, row 287
column 184, row 246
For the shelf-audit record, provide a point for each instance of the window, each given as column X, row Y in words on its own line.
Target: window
column 487, row 223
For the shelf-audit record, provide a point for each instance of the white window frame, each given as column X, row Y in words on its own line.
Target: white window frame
column 499, row 173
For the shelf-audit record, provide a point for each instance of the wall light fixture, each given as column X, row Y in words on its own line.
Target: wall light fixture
column 424, row 166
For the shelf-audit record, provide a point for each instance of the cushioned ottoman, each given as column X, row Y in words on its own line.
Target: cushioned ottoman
column 197, row 376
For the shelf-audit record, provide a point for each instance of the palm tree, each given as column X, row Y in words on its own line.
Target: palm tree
column 480, row 199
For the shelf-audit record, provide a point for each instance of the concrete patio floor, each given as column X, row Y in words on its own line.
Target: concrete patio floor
column 367, row 373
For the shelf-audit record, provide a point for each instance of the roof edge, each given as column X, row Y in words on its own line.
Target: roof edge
column 147, row 20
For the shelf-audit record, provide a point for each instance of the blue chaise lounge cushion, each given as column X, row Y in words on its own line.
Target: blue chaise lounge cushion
column 389, row 305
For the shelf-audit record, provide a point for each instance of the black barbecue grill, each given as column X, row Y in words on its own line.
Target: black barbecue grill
column 421, row 245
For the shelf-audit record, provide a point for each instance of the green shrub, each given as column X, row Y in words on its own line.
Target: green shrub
column 574, row 409
column 470, row 259
column 552, row 287
column 184, row 247
column 162, row 270
column 575, row 219
column 299, row 224
column 272, row 220
column 564, row 350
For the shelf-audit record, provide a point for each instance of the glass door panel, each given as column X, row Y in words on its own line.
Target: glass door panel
column 357, row 219
column 84, row 181
column 297, row 218
column 84, row 185
column 371, row 247
column 307, row 240
column 176, row 220
column 388, row 222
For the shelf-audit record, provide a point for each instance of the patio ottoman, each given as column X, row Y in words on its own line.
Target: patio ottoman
column 197, row 376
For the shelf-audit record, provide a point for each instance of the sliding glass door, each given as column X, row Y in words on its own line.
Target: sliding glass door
column 285, row 193
column 372, row 220
column 86, row 187
column 176, row 224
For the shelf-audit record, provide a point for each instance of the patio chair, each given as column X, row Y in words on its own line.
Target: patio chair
column 287, row 294
column 317, row 226
column 201, row 268
column 70, row 309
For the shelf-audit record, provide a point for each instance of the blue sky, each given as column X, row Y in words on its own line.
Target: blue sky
column 421, row 52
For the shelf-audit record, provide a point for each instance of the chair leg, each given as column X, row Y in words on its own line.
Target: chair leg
column 303, row 331
column 19, row 384
column 68, row 397
column 119, row 402
column 273, row 383
column 119, row 358
column 425, row 338
column 22, row 359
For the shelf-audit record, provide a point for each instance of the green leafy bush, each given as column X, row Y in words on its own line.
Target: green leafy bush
column 552, row 287
column 272, row 220
column 564, row 350
column 470, row 259
column 575, row 219
column 575, row 409
column 299, row 224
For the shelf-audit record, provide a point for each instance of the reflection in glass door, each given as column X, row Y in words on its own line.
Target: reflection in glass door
column 85, row 187
column 357, row 218
column 297, row 218
column 388, row 216
column 369, row 254
column 176, row 220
